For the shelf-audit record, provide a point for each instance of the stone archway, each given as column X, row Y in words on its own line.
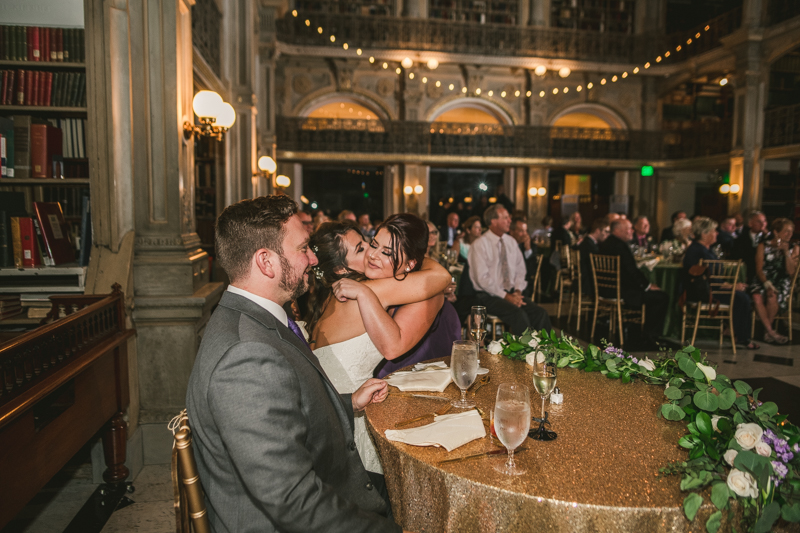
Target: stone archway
column 317, row 106
column 589, row 115
column 471, row 110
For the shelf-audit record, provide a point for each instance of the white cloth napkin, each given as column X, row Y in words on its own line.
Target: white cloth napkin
column 426, row 377
column 440, row 364
column 650, row 264
column 447, row 431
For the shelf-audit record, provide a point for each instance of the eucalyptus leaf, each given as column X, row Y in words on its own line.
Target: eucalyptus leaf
column 696, row 355
column 703, row 422
column 741, row 403
column 706, row 400
column 713, row 522
column 611, row 365
column 720, row 494
column 685, row 401
column 769, row 515
column 675, row 382
column 726, row 398
column 564, row 361
column 672, row 412
column 723, row 424
column 742, row 387
column 700, row 385
column 691, row 504
column 689, row 367
column 593, row 351
column 673, row 393
column 767, row 408
column 720, row 385
column 687, row 442
column 791, row 513
column 752, row 462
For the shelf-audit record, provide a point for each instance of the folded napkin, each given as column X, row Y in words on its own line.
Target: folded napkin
column 447, row 431
column 650, row 264
column 441, row 365
column 427, row 380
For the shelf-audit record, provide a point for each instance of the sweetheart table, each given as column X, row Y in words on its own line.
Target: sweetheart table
column 600, row 474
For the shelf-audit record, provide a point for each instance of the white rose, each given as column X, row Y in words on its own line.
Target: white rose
column 730, row 455
column 747, row 435
column 495, row 347
column 534, row 357
column 709, row 372
column 762, row 448
column 742, row 484
column 647, row 364
column 534, row 341
column 714, row 420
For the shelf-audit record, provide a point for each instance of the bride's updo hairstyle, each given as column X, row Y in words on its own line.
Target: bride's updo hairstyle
column 331, row 250
column 409, row 242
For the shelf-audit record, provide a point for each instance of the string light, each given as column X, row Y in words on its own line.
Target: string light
column 635, row 70
column 308, row 22
column 666, row 54
column 385, row 65
column 411, row 75
column 658, row 59
column 398, row 70
column 603, row 81
column 345, row 46
column 528, row 94
column 688, row 41
column 678, row 48
column 424, row 79
column 478, row 91
column 319, row 30
column 333, row 38
column 438, row 83
column 503, row 94
column 589, row 85
column 358, row 52
column 451, row 86
column 516, row 93
column 614, row 78
column 566, row 90
column 464, row 90
column 294, row 12
column 491, row 93
column 555, row 90
column 579, row 88
column 624, row 75
column 647, row 65
column 371, row 59
column 541, row 94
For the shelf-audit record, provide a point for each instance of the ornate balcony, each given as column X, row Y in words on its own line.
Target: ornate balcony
column 782, row 126
column 309, row 135
column 431, row 35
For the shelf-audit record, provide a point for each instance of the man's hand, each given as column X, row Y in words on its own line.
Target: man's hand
column 347, row 289
column 654, row 287
column 526, row 241
column 372, row 391
column 515, row 298
column 741, row 286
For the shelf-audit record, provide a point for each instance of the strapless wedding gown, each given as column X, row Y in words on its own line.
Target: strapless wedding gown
column 349, row 364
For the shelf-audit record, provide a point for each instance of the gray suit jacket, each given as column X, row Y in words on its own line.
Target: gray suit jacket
column 272, row 437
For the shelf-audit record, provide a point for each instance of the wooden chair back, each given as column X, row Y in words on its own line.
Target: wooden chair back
column 605, row 271
column 563, row 255
column 190, row 503
column 722, row 276
column 535, row 278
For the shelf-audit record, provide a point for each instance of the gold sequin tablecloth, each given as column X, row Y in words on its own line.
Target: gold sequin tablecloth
column 599, row 475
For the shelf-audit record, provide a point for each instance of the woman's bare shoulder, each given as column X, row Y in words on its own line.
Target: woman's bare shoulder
column 340, row 322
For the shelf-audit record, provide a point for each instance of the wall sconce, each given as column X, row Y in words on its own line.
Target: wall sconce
column 408, row 189
column 282, row 181
column 216, row 116
column 418, row 189
column 533, row 191
column 267, row 165
column 729, row 189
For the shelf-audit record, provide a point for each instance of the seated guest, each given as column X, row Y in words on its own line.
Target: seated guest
column 273, row 439
column 590, row 245
column 433, row 240
column 542, row 236
column 705, row 235
column 519, row 230
column 739, row 217
column 635, row 288
column 744, row 247
column 776, row 263
column 346, row 215
column 667, row 234
column 308, row 222
column 641, row 231
column 472, row 231
column 569, row 233
column 725, row 237
column 682, row 229
column 497, row 271
column 450, row 231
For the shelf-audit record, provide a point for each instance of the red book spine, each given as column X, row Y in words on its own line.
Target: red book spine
column 42, row 83
column 35, row 40
column 51, row 44
column 28, row 43
column 59, row 44
column 34, row 98
column 10, row 95
column 45, row 44
column 5, row 88
column 28, row 87
column 20, row 96
column 30, row 247
column 48, row 90
column 38, row 150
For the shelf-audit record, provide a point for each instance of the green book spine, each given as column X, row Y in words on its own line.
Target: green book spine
column 82, row 44
column 6, row 42
column 23, row 47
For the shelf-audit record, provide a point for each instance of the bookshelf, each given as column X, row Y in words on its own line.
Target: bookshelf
column 351, row 7
column 43, row 125
column 614, row 16
column 480, row 11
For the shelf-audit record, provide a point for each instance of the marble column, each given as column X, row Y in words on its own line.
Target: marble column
column 393, row 199
column 537, row 205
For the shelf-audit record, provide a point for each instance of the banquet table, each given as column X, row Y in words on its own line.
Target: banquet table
column 667, row 276
column 600, row 474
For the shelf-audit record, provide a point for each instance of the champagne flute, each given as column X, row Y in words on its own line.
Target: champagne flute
column 544, row 381
column 477, row 329
column 464, row 369
column 512, row 420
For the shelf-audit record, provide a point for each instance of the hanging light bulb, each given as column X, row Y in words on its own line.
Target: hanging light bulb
column 528, row 94
column 407, row 63
column 564, row 72
column 541, row 94
column 589, row 85
column 433, row 63
column 540, row 70
column 723, row 82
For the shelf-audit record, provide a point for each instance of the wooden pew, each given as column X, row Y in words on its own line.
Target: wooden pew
column 60, row 384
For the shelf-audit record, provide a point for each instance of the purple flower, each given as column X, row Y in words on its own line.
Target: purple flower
column 634, row 360
column 780, row 469
column 796, row 448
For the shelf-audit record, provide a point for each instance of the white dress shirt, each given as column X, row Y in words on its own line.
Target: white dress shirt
column 484, row 264
column 276, row 310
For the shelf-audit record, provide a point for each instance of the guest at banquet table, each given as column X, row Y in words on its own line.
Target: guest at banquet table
column 450, row 231
column 776, row 262
column 641, row 232
column 590, row 245
column 472, row 231
column 682, row 229
column 351, row 330
column 519, row 230
column 667, row 234
column 433, row 240
column 320, row 218
column 725, row 237
column 346, row 215
column 635, row 288
column 542, row 235
column 497, row 271
column 705, row 235
column 366, row 227
column 569, row 233
column 744, row 247
column 272, row 438
column 739, row 217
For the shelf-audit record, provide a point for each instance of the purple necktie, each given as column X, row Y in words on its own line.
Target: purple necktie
column 296, row 330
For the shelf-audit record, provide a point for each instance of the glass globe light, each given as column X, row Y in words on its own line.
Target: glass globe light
column 408, row 189
column 283, row 181
column 433, row 63
column 207, row 104
column 226, row 116
column 564, row 72
column 542, row 191
column 267, row 164
column 540, row 70
column 418, row 189
column 407, row 63
column 533, row 191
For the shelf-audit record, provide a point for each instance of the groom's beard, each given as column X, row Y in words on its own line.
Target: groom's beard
column 295, row 286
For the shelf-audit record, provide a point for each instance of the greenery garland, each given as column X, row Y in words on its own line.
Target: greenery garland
column 739, row 447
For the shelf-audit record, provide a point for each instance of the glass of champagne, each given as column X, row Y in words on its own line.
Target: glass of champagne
column 477, row 328
column 512, row 420
column 544, row 381
column 464, row 369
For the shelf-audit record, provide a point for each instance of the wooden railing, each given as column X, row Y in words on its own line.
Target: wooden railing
column 432, row 35
column 782, row 126
column 493, row 140
column 61, row 383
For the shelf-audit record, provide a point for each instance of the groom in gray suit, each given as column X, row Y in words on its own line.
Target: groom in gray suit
column 273, row 439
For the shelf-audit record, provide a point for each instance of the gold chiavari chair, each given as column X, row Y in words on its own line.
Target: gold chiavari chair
column 788, row 316
column 605, row 273
column 563, row 278
column 722, row 278
column 535, row 277
column 584, row 303
column 190, row 504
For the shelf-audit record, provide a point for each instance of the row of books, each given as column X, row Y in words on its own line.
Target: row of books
column 43, row 88
column 34, row 43
column 10, row 305
column 35, row 241
column 35, row 148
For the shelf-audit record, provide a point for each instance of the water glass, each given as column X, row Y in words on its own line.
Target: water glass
column 512, row 421
column 477, row 323
column 464, row 369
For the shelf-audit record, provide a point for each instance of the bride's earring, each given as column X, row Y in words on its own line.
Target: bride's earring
column 408, row 269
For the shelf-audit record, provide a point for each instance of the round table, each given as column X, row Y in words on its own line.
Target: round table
column 600, row 474
column 667, row 276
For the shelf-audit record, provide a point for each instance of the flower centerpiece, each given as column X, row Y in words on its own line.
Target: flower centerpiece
column 739, row 448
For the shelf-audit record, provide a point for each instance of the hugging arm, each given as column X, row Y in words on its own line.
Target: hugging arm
column 431, row 280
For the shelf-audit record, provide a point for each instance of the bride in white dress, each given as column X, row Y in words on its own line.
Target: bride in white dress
column 351, row 331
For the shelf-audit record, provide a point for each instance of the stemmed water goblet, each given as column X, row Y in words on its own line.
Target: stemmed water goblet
column 544, row 381
column 464, row 369
column 512, row 420
column 477, row 324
